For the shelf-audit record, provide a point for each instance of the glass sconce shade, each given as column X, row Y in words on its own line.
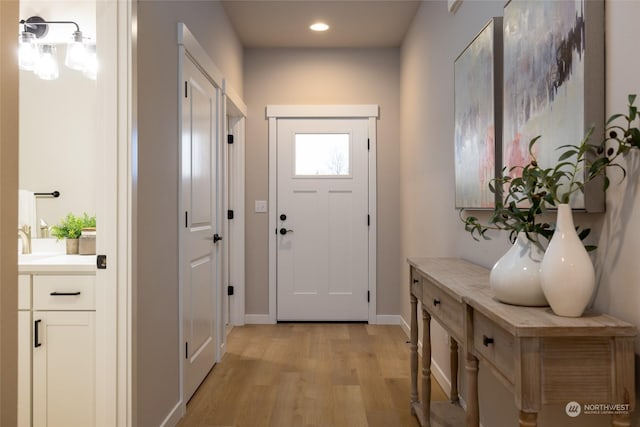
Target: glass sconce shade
column 28, row 51
column 47, row 66
column 91, row 64
column 76, row 52
column 41, row 57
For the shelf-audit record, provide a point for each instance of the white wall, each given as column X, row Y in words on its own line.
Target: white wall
column 430, row 224
column 322, row 76
column 58, row 121
column 156, row 328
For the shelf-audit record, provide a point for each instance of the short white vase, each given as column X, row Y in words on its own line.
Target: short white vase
column 515, row 278
column 566, row 272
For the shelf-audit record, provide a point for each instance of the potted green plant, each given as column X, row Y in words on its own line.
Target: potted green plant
column 70, row 229
column 530, row 193
column 566, row 273
column 522, row 198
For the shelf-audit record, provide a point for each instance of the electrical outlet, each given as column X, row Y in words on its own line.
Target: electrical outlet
column 261, row 206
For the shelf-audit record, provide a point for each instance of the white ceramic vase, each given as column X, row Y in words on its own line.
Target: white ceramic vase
column 567, row 275
column 515, row 278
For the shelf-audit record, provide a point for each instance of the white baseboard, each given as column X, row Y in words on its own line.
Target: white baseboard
column 174, row 416
column 436, row 371
column 388, row 319
column 257, row 319
column 263, row 319
column 405, row 326
column 439, row 375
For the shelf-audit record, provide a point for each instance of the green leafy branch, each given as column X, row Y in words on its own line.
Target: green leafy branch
column 71, row 226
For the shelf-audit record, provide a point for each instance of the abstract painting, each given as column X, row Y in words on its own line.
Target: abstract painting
column 478, row 132
column 553, row 79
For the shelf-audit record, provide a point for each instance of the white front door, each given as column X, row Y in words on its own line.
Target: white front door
column 322, row 217
column 200, row 250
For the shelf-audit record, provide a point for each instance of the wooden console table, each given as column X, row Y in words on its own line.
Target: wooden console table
column 540, row 357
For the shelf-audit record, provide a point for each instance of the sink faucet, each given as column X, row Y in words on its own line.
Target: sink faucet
column 25, row 234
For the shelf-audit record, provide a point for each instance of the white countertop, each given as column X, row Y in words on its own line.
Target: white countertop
column 56, row 263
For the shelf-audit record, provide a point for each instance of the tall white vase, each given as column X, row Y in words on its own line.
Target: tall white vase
column 515, row 278
column 567, row 274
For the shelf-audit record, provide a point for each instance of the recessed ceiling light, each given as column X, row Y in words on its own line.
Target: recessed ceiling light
column 319, row 26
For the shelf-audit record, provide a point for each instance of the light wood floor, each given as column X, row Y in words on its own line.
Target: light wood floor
column 291, row 375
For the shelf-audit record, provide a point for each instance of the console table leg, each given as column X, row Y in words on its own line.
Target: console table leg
column 621, row 420
column 473, row 413
column 528, row 419
column 453, row 348
column 414, row 352
column 426, row 367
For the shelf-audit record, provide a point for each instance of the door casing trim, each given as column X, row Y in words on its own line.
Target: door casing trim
column 365, row 111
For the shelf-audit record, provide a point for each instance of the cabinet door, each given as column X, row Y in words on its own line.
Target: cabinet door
column 64, row 369
column 24, row 368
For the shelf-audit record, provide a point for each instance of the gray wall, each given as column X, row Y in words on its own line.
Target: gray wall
column 322, row 76
column 156, row 357
column 430, row 225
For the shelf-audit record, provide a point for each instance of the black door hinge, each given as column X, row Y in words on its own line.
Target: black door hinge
column 230, row 290
column 229, row 139
column 368, row 296
column 186, row 219
column 368, row 144
column 186, row 89
column 186, row 350
column 230, row 214
column 369, row 220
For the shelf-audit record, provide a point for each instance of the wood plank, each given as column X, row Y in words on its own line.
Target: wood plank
column 625, row 372
column 338, row 375
column 468, row 282
column 455, row 276
column 580, row 368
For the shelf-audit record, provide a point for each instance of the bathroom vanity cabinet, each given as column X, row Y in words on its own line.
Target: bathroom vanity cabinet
column 57, row 347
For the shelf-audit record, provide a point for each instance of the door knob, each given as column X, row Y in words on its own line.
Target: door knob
column 284, row 231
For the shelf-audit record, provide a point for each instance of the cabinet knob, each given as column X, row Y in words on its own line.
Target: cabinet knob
column 436, row 302
column 486, row 341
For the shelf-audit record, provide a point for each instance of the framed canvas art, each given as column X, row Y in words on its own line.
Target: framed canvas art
column 553, row 82
column 478, row 117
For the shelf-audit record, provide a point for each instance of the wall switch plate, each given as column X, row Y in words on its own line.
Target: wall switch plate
column 261, row 206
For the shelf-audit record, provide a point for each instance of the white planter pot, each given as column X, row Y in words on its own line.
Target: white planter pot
column 515, row 278
column 567, row 275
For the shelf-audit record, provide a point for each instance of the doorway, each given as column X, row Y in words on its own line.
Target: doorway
column 201, row 206
column 322, row 213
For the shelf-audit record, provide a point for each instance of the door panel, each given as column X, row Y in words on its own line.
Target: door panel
column 202, row 298
column 202, row 109
column 66, row 344
column 200, row 256
column 322, row 257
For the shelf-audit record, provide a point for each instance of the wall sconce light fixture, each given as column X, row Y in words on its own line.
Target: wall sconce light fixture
column 42, row 59
column 47, row 65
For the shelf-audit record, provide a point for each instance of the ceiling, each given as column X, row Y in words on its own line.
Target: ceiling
column 354, row 23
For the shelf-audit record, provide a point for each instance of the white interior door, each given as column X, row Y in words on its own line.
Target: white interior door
column 200, row 249
column 322, row 210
